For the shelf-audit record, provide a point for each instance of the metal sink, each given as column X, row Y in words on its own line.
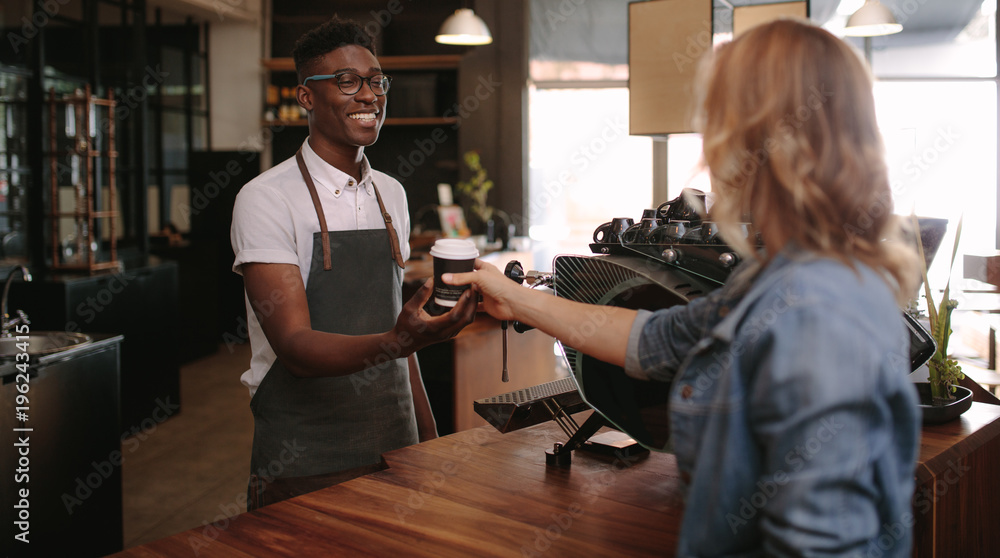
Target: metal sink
column 41, row 343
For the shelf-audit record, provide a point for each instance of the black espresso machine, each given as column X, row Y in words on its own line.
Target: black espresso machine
column 670, row 257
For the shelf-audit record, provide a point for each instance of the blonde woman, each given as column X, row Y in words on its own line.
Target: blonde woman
column 793, row 419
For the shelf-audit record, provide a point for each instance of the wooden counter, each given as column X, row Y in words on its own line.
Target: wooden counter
column 957, row 499
column 482, row 493
column 474, row 493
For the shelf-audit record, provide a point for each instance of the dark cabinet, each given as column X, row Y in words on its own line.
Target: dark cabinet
column 139, row 303
column 62, row 479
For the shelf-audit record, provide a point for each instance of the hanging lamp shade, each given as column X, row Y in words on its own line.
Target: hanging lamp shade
column 464, row 27
column 871, row 20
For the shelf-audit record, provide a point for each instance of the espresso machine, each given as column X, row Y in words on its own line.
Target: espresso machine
column 670, row 257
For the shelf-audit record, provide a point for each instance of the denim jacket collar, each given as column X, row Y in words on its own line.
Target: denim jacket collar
column 749, row 284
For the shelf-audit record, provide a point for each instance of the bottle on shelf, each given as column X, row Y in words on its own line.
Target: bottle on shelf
column 289, row 110
column 273, row 102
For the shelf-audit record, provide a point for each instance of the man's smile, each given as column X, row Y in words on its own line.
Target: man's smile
column 364, row 116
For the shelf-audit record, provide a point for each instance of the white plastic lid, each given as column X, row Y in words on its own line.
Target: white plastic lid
column 454, row 249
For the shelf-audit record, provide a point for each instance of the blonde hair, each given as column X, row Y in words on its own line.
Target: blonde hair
column 787, row 116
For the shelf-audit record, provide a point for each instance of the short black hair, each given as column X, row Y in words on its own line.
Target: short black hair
column 330, row 36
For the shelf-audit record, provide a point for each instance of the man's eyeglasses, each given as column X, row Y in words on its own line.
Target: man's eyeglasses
column 350, row 83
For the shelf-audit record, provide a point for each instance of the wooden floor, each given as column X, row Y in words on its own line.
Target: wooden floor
column 192, row 468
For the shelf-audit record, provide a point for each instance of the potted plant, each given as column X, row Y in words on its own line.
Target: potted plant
column 477, row 187
column 944, row 372
column 476, row 190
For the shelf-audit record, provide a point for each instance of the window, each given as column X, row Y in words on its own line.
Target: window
column 583, row 171
column 936, row 100
column 584, row 168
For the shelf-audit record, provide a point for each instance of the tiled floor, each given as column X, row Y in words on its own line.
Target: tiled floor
column 191, row 470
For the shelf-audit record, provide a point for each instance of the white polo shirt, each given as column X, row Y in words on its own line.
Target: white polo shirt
column 274, row 222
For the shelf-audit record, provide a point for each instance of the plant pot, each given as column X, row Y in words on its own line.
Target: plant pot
column 942, row 412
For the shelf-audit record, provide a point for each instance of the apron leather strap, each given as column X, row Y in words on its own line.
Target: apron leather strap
column 397, row 254
column 327, row 261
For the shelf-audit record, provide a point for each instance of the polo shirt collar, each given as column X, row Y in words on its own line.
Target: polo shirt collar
column 333, row 179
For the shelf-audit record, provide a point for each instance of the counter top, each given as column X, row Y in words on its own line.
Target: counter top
column 98, row 341
column 474, row 493
column 482, row 493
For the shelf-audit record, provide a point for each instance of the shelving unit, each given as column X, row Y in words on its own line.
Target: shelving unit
column 388, row 63
column 419, row 141
column 79, row 148
column 419, row 63
column 418, row 144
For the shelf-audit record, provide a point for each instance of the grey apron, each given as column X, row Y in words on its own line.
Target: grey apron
column 313, row 432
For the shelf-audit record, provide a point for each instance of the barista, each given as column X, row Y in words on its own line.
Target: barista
column 321, row 240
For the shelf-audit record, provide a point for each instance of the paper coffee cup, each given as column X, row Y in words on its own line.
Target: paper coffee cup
column 451, row 255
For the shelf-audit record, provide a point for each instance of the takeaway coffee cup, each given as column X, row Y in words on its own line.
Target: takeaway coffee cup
column 451, row 255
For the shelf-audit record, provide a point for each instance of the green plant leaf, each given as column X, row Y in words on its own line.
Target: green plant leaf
column 943, row 371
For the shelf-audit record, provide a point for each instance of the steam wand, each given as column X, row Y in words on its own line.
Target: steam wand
column 504, row 376
column 515, row 272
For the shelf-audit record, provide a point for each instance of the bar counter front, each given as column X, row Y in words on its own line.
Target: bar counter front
column 483, row 493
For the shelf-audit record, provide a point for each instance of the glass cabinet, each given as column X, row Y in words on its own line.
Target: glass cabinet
column 15, row 178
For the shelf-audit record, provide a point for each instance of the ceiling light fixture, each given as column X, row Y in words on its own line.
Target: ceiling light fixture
column 464, row 27
column 871, row 20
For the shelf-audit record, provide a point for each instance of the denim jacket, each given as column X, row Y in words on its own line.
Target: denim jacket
column 793, row 420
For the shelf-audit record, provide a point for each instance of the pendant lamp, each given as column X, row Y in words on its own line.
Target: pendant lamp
column 464, row 27
column 871, row 20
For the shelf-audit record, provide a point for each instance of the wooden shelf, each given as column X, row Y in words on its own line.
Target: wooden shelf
column 405, row 121
column 389, row 63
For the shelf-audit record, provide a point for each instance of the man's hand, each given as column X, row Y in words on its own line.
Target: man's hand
column 416, row 329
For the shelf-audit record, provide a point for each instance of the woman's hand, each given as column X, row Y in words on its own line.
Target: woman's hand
column 500, row 293
column 571, row 322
